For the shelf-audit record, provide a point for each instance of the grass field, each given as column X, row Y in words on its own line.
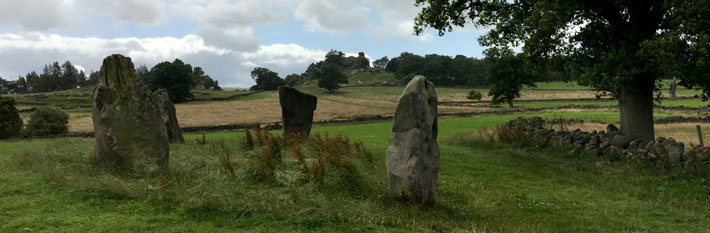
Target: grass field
column 497, row 189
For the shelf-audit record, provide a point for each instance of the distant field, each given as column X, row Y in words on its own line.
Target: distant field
column 353, row 100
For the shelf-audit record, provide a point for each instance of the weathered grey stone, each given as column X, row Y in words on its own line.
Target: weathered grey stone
column 660, row 139
column 413, row 154
column 612, row 128
column 621, row 141
column 296, row 110
column 127, row 125
column 593, row 150
column 675, row 150
column 649, row 146
column 168, row 116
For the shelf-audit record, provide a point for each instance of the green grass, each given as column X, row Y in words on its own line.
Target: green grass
column 483, row 190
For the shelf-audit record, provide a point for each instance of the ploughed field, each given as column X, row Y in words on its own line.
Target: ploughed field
column 213, row 108
column 51, row 185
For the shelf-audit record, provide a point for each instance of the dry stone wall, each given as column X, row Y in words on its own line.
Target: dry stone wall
column 663, row 151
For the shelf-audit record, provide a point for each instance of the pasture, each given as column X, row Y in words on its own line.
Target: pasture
column 52, row 185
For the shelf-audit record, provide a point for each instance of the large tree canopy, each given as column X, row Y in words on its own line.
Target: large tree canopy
column 620, row 47
column 172, row 76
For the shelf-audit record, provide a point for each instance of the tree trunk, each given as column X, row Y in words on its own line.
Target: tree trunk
column 636, row 108
column 510, row 102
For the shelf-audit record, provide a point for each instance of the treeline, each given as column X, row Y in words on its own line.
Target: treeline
column 329, row 72
column 440, row 69
column 177, row 77
column 54, row 77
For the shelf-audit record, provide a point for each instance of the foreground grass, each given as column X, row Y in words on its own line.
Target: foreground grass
column 503, row 189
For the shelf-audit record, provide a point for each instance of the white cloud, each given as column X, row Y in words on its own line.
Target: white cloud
column 150, row 12
column 236, row 39
column 39, row 15
column 333, row 16
column 228, row 24
column 23, row 53
column 227, row 14
column 397, row 18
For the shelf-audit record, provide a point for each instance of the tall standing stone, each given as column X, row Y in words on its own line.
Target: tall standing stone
column 413, row 154
column 127, row 125
column 296, row 110
column 168, row 116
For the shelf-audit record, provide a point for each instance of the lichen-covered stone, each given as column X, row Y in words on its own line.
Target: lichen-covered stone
column 296, row 110
column 413, row 154
column 168, row 116
column 127, row 125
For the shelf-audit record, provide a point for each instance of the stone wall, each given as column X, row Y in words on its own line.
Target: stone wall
column 663, row 151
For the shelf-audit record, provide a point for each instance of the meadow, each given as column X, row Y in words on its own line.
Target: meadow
column 53, row 185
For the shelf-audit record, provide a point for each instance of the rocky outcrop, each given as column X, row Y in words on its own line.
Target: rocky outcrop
column 127, row 125
column 296, row 110
column 168, row 116
column 413, row 154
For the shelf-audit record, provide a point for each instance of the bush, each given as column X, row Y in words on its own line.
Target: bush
column 474, row 95
column 47, row 121
column 10, row 121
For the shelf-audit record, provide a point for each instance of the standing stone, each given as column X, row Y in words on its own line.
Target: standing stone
column 413, row 154
column 168, row 115
column 129, row 131
column 296, row 110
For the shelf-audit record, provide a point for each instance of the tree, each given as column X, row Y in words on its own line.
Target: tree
column 312, row 70
column 94, row 78
column 266, row 80
column 174, row 77
column 617, row 46
column 408, row 65
column 335, row 57
column 293, row 80
column 381, row 63
column 200, row 80
column 506, row 74
column 10, row 121
column 474, row 95
column 4, row 86
column 393, row 65
column 467, row 71
column 436, row 69
column 330, row 76
column 143, row 73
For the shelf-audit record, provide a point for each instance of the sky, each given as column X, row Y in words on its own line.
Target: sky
column 227, row 38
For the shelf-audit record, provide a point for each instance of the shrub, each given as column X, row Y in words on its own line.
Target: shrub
column 474, row 95
column 47, row 121
column 10, row 121
column 315, row 158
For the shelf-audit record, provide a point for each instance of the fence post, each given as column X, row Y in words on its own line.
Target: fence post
column 700, row 135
